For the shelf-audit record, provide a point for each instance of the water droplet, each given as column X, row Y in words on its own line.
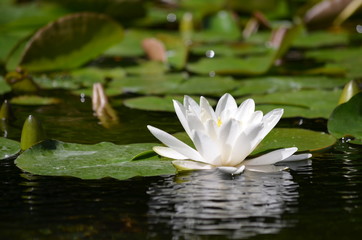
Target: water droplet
column 171, row 17
column 210, row 53
column 359, row 28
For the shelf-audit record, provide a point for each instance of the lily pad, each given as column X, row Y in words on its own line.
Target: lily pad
column 304, row 103
column 70, row 41
column 34, row 100
column 252, row 65
column 285, row 138
column 346, row 119
column 272, row 84
column 4, row 87
column 153, row 103
column 321, row 39
column 205, row 86
column 8, row 148
column 232, row 49
column 145, row 84
column 295, row 137
column 55, row 158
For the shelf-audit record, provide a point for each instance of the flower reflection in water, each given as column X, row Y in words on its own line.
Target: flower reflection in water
column 212, row 203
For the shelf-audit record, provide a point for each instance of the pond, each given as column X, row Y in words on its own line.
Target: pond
column 316, row 198
column 96, row 73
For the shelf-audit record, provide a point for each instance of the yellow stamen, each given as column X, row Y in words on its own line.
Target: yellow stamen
column 219, row 122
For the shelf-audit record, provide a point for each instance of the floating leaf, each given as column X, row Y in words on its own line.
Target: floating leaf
column 153, row 103
column 321, row 39
column 304, row 103
column 54, row 158
column 205, row 86
column 232, row 49
column 270, row 84
column 295, row 137
column 70, row 41
column 8, row 148
column 34, row 100
column 145, row 84
column 177, row 51
column 252, row 65
column 346, row 119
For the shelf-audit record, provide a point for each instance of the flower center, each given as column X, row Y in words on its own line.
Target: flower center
column 219, row 122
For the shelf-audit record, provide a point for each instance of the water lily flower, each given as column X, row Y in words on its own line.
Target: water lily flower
column 223, row 138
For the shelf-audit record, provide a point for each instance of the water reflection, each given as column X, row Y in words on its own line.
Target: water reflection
column 211, row 203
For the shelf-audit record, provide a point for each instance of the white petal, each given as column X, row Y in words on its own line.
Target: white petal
column 181, row 114
column 232, row 170
column 206, row 110
column 271, row 157
column 226, row 103
column 209, row 149
column 240, row 170
column 168, row 152
column 191, row 105
column 298, row 157
column 190, row 165
column 266, row 168
column 270, row 120
column 175, row 144
column 245, row 110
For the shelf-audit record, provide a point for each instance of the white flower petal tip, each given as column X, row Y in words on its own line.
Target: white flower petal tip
column 266, row 168
column 168, row 152
column 187, row 165
column 272, row 157
column 232, row 170
column 298, row 157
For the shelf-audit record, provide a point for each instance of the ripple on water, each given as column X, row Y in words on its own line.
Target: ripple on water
column 212, row 203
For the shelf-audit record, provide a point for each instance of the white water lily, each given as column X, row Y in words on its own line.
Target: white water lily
column 223, row 138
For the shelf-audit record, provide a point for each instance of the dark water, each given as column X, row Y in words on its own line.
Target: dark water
column 316, row 199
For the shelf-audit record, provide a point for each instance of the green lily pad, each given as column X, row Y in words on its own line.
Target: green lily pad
column 131, row 45
column 34, row 100
column 285, row 138
column 145, row 84
column 304, row 103
column 147, row 68
column 295, row 137
column 153, row 103
column 321, row 39
column 4, row 87
column 272, row 84
column 229, row 50
column 346, row 119
column 205, row 86
column 8, row 148
column 252, row 65
column 70, row 41
column 55, row 158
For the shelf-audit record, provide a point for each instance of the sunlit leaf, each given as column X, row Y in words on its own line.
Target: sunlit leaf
column 34, row 100
column 304, row 103
column 8, row 148
column 270, row 84
column 321, row 39
column 54, row 158
column 346, row 119
column 253, row 65
column 70, row 41
column 153, row 103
